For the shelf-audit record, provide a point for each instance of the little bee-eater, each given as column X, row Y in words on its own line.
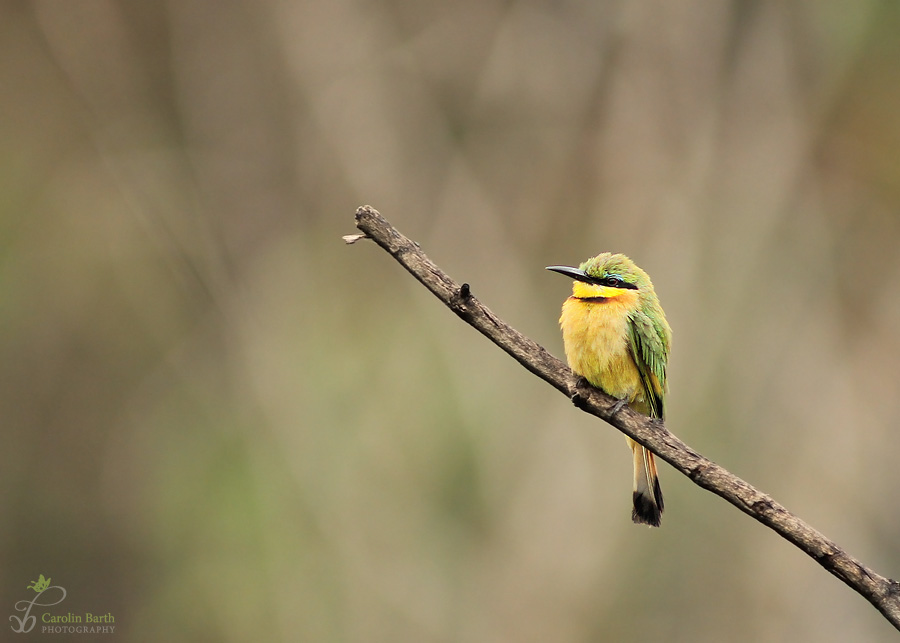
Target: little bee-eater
column 616, row 336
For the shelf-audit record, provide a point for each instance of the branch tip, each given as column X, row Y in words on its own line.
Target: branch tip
column 365, row 211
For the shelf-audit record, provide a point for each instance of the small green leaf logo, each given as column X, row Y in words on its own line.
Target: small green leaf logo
column 40, row 584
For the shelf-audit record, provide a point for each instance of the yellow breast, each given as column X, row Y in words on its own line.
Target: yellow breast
column 595, row 336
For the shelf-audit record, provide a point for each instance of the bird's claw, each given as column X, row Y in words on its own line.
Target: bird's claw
column 618, row 406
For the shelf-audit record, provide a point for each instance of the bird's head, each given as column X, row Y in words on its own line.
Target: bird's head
column 608, row 276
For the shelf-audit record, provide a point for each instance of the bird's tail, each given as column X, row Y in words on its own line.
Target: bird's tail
column 648, row 500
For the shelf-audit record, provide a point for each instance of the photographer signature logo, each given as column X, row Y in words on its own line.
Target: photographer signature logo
column 47, row 595
column 41, row 586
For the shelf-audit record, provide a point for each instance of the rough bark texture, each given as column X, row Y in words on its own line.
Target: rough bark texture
column 882, row 592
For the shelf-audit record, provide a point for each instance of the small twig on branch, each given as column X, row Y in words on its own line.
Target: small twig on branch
column 881, row 592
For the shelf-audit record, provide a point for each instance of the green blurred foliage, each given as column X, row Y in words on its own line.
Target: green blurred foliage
column 221, row 423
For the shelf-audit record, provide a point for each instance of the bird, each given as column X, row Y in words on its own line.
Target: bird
column 616, row 337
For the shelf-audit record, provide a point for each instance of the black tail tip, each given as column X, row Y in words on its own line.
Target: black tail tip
column 646, row 511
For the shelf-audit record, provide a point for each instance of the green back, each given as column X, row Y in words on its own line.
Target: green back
column 649, row 342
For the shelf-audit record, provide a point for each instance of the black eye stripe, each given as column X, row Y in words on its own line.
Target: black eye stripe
column 612, row 281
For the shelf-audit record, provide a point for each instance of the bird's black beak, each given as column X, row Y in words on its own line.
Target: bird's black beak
column 574, row 273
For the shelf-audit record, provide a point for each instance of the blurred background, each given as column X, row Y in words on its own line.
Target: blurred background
column 220, row 423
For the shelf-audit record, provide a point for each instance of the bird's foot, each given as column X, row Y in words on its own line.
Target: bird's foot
column 618, row 406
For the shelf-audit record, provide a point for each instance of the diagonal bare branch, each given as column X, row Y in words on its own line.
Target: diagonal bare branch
column 880, row 591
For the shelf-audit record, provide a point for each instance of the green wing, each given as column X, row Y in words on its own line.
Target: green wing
column 649, row 344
